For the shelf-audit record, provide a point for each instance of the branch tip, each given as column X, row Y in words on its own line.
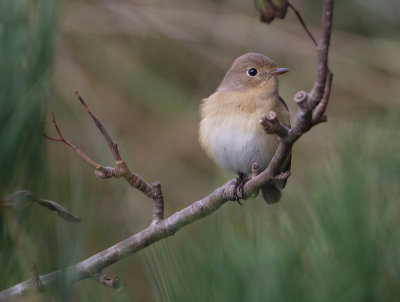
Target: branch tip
column 271, row 116
column 255, row 169
column 300, row 97
column 81, row 100
column 272, row 125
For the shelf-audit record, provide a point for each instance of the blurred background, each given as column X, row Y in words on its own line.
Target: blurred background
column 143, row 67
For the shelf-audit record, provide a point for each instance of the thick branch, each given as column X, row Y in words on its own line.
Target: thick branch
column 164, row 228
column 318, row 115
column 153, row 233
column 323, row 48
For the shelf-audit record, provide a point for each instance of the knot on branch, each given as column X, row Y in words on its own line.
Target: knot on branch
column 255, row 169
column 301, row 97
column 37, row 283
column 317, row 120
column 158, row 204
column 107, row 172
column 113, row 282
column 272, row 125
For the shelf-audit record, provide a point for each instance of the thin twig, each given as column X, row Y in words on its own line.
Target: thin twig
column 113, row 146
column 122, row 170
column 303, row 24
column 62, row 139
column 24, row 198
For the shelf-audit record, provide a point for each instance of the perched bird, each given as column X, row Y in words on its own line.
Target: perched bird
column 230, row 131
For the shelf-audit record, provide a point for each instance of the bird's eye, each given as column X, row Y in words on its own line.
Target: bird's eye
column 252, row 72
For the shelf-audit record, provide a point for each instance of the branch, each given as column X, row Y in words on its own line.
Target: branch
column 25, row 198
column 311, row 108
column 323, row 48
column 298, row 15
column 105, row 172
column 318, row 115
column 133, row 244
column 272, row 125
column 158, row 204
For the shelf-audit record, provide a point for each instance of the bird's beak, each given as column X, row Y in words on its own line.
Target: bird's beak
column 279, row 71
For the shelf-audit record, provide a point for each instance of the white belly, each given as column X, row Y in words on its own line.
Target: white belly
column 237, row 142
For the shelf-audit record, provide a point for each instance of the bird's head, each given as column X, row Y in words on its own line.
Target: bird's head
column 250, row 71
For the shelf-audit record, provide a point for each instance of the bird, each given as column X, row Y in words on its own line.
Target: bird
column 230, row 130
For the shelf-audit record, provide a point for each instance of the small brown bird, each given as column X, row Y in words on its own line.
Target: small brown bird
column 230, row 131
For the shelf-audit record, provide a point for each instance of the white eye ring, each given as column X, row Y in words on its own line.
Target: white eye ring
column 252, row 72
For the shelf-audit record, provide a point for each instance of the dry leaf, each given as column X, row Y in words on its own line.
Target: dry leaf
column 271, row 9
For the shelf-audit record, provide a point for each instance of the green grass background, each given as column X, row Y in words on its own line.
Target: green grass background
column 144, row 66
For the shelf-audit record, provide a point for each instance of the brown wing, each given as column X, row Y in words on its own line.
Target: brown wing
column 272, row 193
column 283, row 102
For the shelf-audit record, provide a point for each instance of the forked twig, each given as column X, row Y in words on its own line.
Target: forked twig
column 62, row 139
column 122, row 170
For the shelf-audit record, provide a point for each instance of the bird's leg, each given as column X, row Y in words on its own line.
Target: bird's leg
column 240, row 181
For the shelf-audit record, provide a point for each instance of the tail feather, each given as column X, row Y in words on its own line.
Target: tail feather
column 271, row 193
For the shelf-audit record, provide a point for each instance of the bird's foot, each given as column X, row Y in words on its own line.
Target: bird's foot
column 240, row 182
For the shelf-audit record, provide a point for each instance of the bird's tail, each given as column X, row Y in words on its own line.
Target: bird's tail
column 271, row 193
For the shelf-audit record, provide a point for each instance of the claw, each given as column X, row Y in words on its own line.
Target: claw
column 235, row 195
column 240, row 181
